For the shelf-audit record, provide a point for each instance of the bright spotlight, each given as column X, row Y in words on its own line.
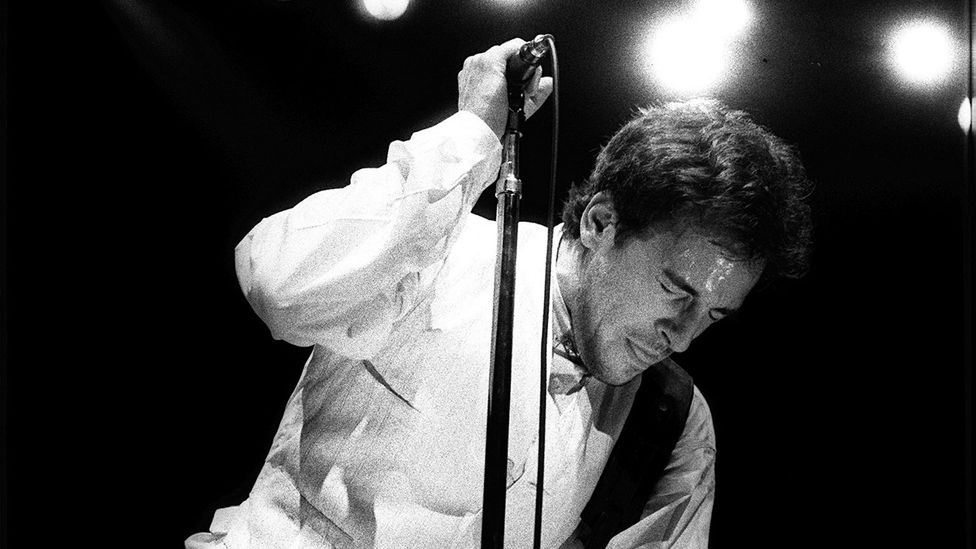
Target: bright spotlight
column 922, row 52
column 685, row 59
column 386, row 10
column 690, row 53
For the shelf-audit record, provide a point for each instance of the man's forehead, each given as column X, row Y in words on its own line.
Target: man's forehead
column 684, row 239
column 702, row 260
column 687, row 240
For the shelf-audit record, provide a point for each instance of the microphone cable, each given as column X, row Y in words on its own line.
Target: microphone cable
column 546, row 352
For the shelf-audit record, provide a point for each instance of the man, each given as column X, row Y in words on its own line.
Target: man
column 390, row 280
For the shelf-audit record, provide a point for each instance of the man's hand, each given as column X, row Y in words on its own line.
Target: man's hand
column 482, row 88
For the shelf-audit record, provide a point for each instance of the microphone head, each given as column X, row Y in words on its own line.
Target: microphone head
column 521, row 67
column 533, row 51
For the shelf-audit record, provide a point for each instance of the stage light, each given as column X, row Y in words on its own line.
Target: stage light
column 922, row 52
column 684, row 58
column 385, row 10
column 965, row 115
column 690, row 53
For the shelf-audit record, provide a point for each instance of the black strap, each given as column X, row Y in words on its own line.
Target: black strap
column 641, row 453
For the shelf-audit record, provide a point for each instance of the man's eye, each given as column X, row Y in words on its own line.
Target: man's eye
column 665, row 288
column 715, row 316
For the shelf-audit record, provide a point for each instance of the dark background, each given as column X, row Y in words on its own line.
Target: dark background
column 144, row 139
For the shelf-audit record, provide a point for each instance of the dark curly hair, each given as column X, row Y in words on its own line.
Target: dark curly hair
column 702, row 162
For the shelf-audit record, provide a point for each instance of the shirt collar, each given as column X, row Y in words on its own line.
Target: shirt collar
column 567, row 373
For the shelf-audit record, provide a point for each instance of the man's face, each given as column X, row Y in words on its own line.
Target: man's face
column 651, row 295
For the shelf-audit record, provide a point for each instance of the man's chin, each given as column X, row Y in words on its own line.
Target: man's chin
column 617, row 379
column 625, row 376
column 621, row 369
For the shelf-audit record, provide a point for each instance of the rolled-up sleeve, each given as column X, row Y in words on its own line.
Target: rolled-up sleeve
column 679, row 512
column 340, row 267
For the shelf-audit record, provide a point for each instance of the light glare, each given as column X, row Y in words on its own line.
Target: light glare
column 386, row 10
column 691, row 52
column 922, row 52
column 965, row 115
column 685, row 59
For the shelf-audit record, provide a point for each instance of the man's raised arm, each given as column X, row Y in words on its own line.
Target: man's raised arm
column 341, row 266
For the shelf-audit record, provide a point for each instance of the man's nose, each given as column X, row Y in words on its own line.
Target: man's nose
column 681, row 331
column 679, row 335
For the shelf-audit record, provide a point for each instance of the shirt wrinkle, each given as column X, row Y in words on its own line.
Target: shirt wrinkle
column 376, row 375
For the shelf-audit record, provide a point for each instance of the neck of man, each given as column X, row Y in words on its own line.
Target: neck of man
column 568, row 267
column 569, row 259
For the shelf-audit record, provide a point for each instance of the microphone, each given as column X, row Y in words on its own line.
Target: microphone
column 521, row 67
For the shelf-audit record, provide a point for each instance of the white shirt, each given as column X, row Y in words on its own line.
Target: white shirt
column 390, row 280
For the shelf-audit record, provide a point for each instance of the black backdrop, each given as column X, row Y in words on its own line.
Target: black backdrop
column 145, row 138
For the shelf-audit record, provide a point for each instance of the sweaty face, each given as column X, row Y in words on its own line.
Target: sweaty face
column 652, row 295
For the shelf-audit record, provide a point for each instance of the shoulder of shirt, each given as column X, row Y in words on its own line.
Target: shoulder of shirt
column 530, row 235
column 476, row 248
column 699, row 431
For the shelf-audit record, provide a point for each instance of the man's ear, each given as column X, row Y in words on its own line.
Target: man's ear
column 598, row 224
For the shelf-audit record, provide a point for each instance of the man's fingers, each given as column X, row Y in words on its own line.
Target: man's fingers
column 510, row 47
column 533, row 84
column 497, row 56
column 482, row 88
column 536, row 97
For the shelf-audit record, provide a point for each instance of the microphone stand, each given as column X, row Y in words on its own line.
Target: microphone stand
column 508, row 191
